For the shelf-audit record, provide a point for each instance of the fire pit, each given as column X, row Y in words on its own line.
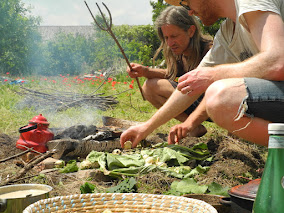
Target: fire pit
column 80, row 140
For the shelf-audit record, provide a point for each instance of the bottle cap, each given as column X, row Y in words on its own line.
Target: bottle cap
column 276, row 128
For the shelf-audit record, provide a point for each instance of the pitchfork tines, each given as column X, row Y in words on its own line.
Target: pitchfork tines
column 107, row 28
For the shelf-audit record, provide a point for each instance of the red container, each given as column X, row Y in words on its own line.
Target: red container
column 35, row 134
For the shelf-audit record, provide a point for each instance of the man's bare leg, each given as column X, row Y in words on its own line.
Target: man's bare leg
column 157, row 92
column 223, row 99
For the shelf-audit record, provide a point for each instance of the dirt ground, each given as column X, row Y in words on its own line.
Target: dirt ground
column 235, row 162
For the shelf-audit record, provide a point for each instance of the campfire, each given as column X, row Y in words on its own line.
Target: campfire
column 80, row 140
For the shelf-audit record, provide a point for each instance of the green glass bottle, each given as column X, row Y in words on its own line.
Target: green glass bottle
column 270, row 194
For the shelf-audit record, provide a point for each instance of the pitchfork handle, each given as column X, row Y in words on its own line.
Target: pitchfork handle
column 127, row 61
column 116, row 41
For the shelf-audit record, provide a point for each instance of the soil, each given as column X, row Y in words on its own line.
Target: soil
column 235, row 162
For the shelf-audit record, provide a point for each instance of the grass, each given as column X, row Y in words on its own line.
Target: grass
column 131, row 106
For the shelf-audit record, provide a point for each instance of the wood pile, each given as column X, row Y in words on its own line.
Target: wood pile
column 62, row 100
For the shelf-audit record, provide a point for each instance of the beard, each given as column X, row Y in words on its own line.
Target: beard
column 208, row 22
column 208, row 14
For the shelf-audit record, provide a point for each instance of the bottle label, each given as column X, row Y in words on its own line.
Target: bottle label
column 276, row 142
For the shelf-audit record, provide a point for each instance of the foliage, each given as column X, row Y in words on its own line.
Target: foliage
column 128, row 185
column 76, row 54
column 170, row 159
column 19, row 38
column 12, row 118
column 140, row 42
column 87, row 188
column 190, row 186
column 158, row 7
column 66, row 54
column 71, row 166
column 212, row 30
column 23, row 52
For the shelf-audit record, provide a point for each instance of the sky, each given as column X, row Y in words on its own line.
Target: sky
column 75, row 12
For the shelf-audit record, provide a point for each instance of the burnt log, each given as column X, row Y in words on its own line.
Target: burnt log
column 75, row 132
column 71, row 148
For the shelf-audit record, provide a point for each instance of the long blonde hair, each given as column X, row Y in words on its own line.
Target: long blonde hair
column 178, row 16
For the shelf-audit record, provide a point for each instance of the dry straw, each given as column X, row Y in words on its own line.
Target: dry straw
column 120, row 202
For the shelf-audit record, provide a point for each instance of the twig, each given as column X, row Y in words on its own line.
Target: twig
column 241, row 177
column 28, row 167
column 61, row 101
column 30, row 149
column 31, row 176
column 14, row 156
column 20, row 154
column 134, row 107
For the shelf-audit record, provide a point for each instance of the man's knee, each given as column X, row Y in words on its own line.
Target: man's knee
column 214, row 94
column 223, row 96
column 149, row 84
column 150, row 88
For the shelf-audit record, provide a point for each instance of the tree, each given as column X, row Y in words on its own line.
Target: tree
column 158, row 7
column 19, row 38
column 212, row 29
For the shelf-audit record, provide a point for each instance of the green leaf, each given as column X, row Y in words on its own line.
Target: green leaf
column 94, row 156
column 217, row 189
column 197, row 153
column 188, row 186
column 87, row 188
column 200, row 146
column 166, row 155
column 132, row 171
column 178, row 171
column 71, row 166
column 197, row 170
column 126, row 186
column 124, row 161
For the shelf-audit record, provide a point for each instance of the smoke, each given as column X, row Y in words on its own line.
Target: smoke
column 79, row 116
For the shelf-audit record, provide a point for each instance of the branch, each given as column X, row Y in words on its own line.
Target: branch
column 28, row 167
column 20, row 154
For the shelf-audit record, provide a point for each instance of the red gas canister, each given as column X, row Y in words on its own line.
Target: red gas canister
column 35, row 134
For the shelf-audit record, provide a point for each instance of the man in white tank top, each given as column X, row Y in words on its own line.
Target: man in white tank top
column 241, row 76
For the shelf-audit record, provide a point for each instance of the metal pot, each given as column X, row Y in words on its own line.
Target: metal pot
column 15, row 198
column 242, row 197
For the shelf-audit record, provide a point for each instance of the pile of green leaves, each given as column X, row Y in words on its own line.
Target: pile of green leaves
column 170, row 159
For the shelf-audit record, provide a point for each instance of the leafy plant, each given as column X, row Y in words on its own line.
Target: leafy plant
column 88, row 188
column 128, row 185
column 71, row 166
column 19, row 39
column 190, row 186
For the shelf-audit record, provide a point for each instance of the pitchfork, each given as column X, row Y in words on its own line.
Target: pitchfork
column 108, row 29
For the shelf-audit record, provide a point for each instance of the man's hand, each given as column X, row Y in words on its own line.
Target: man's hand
column 196, row 81
column 137, row 70
column 191, row 127
column 134, row 134
column 183, row 130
